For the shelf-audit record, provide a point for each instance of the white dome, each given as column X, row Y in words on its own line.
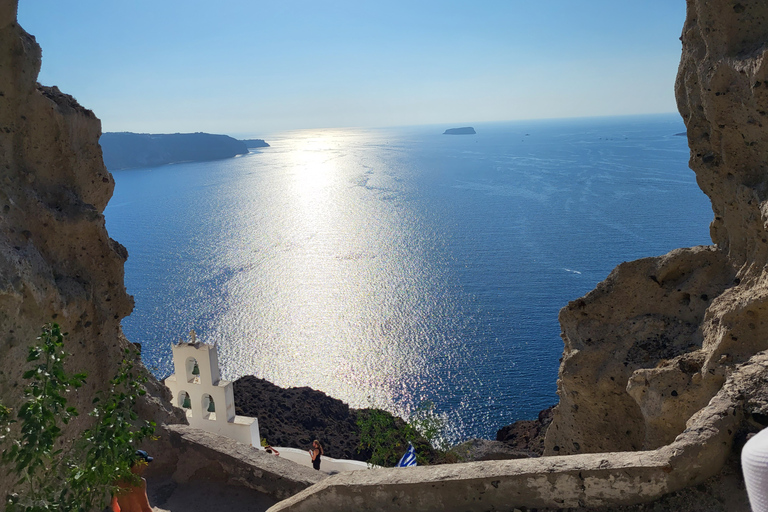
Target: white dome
column 754, row 461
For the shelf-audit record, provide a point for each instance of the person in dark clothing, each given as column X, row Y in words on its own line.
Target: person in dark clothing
column 315, row 453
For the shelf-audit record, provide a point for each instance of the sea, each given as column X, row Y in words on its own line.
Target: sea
column 402, row 268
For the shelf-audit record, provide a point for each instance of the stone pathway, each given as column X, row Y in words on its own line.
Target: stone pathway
column 167, row 496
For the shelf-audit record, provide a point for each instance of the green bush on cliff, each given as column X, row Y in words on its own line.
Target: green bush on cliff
column 81, row 478
column 386, row 436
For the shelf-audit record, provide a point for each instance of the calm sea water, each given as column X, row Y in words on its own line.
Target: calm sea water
column 396, row 266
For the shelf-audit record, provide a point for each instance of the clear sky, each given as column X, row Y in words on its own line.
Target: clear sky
column 250, row 67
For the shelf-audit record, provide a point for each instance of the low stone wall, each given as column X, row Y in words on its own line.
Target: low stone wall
column 203, row 456
column 589, row 480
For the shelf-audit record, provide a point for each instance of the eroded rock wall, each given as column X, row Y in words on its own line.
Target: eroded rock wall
column 57, row 262
column 655, row 341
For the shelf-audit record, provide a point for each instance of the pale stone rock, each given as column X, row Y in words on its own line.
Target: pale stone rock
column 57, row 262
column 645, row 313
column 656, row 340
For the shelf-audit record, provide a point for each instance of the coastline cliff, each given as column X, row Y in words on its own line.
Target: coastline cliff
column 126, row 150
column 255, row 143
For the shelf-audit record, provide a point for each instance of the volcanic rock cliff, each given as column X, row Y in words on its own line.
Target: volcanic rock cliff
column 655, row 341
column 126, row 150
column 57, row 263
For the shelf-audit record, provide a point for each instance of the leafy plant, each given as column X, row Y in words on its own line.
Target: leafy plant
column 5, row 420
column 32, row 456
column 83, row 478
column 386, row 437
column 109, row 446
column 430, row 425
column 380, row 435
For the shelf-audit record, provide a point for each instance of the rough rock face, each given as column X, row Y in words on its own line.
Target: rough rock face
column 654, row 342
column 57, row 263
column 527, row 435
column 293, row 417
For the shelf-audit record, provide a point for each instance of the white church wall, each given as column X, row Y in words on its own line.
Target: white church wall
column 204, row 385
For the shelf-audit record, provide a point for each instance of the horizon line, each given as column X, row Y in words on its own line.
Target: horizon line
column 249, row 135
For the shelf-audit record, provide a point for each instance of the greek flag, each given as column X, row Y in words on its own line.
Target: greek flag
column 409, row 459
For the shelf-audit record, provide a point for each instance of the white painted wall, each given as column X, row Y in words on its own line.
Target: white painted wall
column 327, row 464
column 204, row 388
column 207, row 386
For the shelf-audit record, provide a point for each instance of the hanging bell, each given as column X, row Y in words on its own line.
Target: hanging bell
column 196, row 369
column 211, row 405
column 187, row 404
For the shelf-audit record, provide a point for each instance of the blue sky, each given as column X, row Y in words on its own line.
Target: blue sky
column 250, row 68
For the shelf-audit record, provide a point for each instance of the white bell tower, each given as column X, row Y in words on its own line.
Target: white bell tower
column 208, row 401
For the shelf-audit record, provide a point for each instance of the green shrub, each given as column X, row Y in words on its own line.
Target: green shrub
column 386, row 437
column 82, row 478
column 108, row 448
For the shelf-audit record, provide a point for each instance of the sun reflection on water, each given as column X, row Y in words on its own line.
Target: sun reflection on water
column 398, row 265
column 331, row 295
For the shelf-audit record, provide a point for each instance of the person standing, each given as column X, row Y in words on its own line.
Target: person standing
column 315, row 453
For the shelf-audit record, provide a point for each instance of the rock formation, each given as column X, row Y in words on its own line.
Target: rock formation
column 126, row 150
column 527, row 435
column 293, row 417
column 464, row 130
column 255, row 143
column 57, row 262
column 655, row 341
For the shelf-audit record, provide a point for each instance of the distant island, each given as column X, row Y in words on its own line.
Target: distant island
column 126, row 150
column 255, row 143
column 466, row 130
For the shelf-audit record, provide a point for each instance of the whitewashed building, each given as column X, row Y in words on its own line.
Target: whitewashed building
column 208, row 401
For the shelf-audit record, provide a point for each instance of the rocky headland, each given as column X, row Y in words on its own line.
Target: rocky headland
column 294, row 417
column 465, row 130
column 255, row 143
column 126, row 150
